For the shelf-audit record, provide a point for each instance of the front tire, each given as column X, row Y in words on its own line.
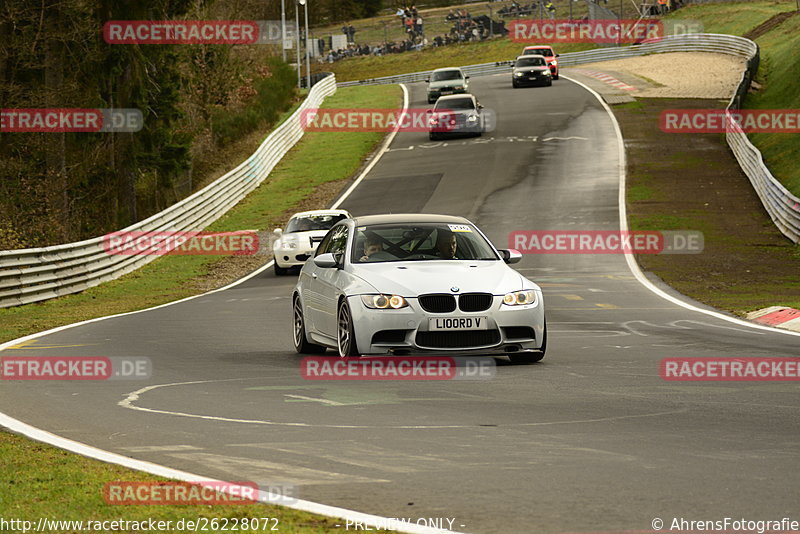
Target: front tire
column 345, row 333
column 531, row 357
column 555, row 76
column 301, row 343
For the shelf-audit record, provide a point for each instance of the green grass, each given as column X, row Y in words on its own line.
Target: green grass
column 734, row 18
column 42, row 481
column 779, row 74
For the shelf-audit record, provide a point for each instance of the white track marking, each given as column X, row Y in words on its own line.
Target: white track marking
column 623, row 226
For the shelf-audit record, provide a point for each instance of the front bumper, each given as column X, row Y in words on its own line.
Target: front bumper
column 292, row 257
column 436, row 93
column 405, row 331
column 532, row 80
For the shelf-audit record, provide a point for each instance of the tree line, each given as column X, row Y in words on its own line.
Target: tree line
column 196, row 101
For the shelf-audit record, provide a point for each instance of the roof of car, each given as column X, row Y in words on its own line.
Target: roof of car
column 456, row 97
column 320, row 212
column 538, row 46
column 447, row 68
column 528, row 56
column 395, row 218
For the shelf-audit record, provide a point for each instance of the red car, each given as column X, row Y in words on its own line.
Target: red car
column 548, row 53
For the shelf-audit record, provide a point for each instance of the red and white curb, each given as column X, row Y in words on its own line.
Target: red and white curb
column 603, row 77
column 779, row 316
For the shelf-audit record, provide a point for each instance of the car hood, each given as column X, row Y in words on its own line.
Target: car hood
column 531, row 69
column 446, row 83
column 303, row 237
column 413, row 278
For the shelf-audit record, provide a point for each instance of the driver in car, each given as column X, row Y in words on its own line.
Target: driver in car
column 372, row 246
column 446, row 244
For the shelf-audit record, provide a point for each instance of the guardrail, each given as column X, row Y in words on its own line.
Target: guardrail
column 36, row 274
column 783, row 207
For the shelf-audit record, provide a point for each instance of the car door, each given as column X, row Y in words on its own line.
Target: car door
column 329, row 282
column 309, row 278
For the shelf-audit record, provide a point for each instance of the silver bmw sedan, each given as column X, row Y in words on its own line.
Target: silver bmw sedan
column 416, row 284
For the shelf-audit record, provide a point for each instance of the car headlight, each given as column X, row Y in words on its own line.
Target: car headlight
column 459, row 87
column 384, row 302
column 555, row 62
column 472, row 118
column 518, row 74
column 520, row 298
column 286, row 242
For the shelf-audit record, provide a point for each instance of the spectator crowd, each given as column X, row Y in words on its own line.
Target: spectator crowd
column 464, row 28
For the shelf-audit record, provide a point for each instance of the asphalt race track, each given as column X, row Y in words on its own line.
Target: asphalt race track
column 591, row 439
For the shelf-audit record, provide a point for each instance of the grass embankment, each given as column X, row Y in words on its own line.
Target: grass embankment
column 42, row 481
column 692, row 181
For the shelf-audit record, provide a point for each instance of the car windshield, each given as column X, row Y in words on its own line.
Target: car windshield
column 309, row 223
column 446, row 75
column 454, row 104
column 531, row 62
column 419, row 242
column 539, row 52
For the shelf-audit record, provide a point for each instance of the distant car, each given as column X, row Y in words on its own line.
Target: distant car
column 531, row 70
column 456, row 115
column 303, row 233
column 416, row 283
column 547, row 52
column 447, row 81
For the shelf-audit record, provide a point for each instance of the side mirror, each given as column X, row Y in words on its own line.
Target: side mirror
column 325, row 261
column 558, row 55
column 427, row 80
column 429, row 111
column 511, row 255
column 466, row 77
column 278, row 232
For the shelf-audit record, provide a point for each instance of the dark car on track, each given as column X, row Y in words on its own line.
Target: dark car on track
column 456, row 115
column 531, row 70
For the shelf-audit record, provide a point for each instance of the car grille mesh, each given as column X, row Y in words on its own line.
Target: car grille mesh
column 458, row 340
column 441, row 303
column 444, row 303
column 474, row 302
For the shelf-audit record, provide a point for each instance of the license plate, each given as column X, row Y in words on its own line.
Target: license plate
column 458, row 323
column 447, row 92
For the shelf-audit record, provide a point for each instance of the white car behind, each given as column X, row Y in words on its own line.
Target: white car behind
column 304, row 231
